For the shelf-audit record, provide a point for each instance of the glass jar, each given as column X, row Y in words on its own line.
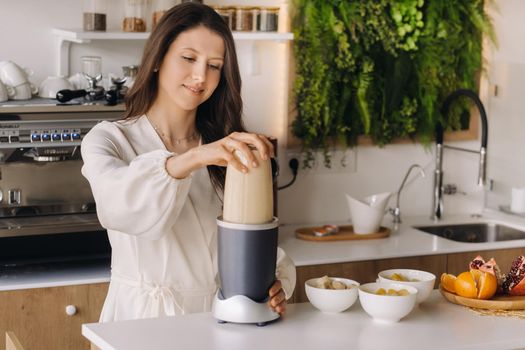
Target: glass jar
column 268, row 19
column 246, row 18
column 160, row 7
column 227, row 14
column 94, row 13
column 135, row 16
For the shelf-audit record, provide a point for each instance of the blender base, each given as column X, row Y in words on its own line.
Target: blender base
column 241, row 309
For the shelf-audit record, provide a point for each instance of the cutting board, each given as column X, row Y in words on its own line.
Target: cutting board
column 499, row 302
column 345, row 233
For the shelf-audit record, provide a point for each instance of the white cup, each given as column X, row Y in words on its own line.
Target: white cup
column 24, row 91
column 517, row 203
column 6, row 92
column 366, row 214
column 51, row 85
column 12, row 74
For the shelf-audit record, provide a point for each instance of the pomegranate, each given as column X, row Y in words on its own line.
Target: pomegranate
column 477, row 262
column 514, row 283
column 490, row 266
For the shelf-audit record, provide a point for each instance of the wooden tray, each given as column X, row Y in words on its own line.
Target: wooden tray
column 345, row 233
column 499, row 302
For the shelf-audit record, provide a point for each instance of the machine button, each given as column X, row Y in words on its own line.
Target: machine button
column 46, row 137
column 36, row 137
column 75, row 136
column 66, row 137
column 4, row 139
column 56, row 137
column 14, row 138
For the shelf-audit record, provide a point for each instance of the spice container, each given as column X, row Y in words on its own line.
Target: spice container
column 227, row 14
column 246, row 18
column 135, row 16
column 160, row 7
column 94, row 13
column 268, row 19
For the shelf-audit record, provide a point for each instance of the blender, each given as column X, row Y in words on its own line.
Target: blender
column 247, row 245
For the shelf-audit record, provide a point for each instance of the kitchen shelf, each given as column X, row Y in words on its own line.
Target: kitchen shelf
column 67, row 36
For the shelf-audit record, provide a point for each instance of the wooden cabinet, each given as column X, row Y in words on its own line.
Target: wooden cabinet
column 366, row 271
column 39, row 319
column 458, row 262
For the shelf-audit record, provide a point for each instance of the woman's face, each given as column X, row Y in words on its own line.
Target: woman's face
column 191, row 69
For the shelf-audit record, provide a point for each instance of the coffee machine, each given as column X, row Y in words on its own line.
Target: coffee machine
column 247, row 245
column 47, row 210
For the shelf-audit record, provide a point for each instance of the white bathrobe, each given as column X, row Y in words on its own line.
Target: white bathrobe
column 162, row 230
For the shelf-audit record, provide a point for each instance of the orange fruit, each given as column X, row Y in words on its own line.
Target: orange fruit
column 487, row 284
column 447, row 282
column 476, row 284
column 465, row 285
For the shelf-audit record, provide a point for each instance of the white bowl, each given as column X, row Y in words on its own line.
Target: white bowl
column 51, row 85
column 424, row 286
column 366, row 214
column 331, row 300
column 387, row 308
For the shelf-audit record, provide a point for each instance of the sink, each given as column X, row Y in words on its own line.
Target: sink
column 474, row 233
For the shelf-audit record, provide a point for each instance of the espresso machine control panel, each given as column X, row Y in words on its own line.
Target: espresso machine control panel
column 49, row 133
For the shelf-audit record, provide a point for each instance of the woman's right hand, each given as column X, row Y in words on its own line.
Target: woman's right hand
column 221, row 153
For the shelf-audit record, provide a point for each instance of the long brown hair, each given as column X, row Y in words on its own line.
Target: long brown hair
column 218, row 116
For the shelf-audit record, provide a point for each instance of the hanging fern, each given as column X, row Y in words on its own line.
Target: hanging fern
column 382, row 68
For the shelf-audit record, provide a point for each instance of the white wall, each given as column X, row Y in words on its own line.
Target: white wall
column 25, row 34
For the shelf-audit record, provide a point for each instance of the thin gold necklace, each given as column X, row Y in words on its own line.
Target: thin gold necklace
column 188, row 139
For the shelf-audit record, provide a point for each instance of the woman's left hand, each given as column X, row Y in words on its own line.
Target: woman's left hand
column 277, row 300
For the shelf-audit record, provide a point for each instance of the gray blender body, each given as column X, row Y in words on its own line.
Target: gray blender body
column 247, row 256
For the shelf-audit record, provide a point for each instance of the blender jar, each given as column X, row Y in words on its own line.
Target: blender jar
column 94, row 13
column 135, row 16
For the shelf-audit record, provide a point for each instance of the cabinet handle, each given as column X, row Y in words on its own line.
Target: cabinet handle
column 71, row 310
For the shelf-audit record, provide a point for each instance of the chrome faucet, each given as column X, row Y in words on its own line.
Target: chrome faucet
column 396, row 212
column 437, row 204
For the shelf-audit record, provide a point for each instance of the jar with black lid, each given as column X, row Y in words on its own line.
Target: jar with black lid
column 94, row 15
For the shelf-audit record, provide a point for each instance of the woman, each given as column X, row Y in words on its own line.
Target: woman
column 157, row 175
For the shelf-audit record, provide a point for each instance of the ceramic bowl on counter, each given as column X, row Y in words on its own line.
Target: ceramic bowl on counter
column 387, row 307
column 331, row 300
column 423, row 281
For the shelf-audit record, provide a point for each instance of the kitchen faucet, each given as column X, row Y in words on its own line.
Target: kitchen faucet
column 396, row 212
column 437, row 205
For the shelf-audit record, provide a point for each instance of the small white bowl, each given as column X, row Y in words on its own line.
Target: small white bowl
column 331, row 300
column 424, row 286
column 366, row 214
column 387, row 308
column 53, row 84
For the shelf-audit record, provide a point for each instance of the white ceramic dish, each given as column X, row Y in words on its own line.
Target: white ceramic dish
column 387, row 308
column 424, row 285
column 51, row 85
column 331, row 300
column 366, row 214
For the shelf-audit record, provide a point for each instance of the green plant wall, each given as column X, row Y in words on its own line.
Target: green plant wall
column 382, row 68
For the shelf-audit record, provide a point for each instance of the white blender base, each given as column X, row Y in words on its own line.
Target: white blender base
column 241, row 309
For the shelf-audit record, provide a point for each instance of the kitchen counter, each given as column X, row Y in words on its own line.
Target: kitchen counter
column 404, row 241
column 435, row 324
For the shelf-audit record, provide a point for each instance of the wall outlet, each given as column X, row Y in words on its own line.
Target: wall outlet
column 340, row 161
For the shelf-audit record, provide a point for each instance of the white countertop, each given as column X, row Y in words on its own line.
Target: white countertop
column 405, row 241
column 435, row 324
column 42, row 276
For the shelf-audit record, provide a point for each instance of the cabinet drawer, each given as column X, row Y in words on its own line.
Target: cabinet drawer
column 40, row 320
